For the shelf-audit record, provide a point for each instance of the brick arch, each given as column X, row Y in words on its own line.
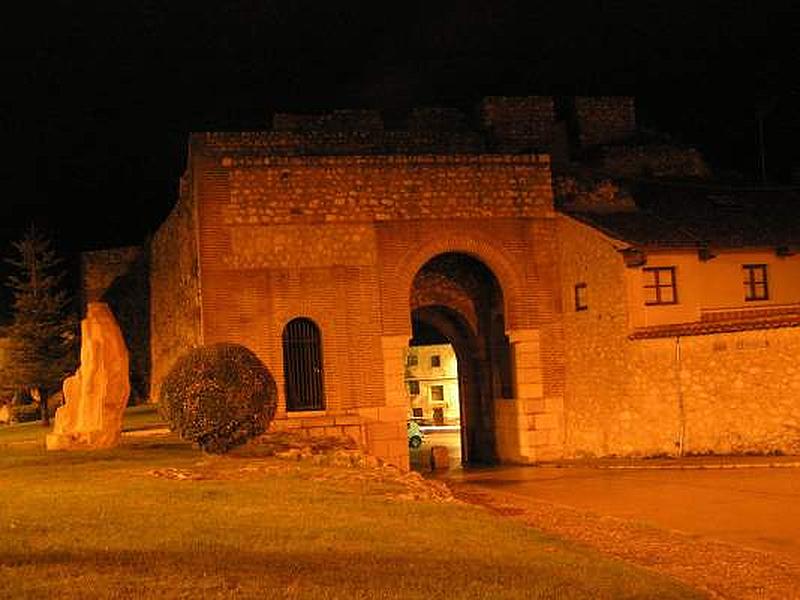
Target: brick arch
column 319, row 319
column 325, row 326
column 304, row 373
column 437, row 289
column 482, row 249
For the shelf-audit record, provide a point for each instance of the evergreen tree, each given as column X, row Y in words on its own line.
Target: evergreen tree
column 42, row 333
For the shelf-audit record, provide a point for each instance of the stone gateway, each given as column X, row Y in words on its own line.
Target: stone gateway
column 602, row 294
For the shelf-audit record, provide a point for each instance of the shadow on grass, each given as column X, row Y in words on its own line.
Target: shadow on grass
column 361, row 573
column 130, row 452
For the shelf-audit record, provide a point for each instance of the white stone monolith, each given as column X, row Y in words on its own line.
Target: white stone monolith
column 96, row 395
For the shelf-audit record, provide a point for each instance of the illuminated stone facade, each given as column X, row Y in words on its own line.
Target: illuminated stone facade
column 432, row 384
column 711, row 373
column 366, row 230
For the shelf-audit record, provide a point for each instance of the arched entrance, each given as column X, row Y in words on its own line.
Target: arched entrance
column 456, row 299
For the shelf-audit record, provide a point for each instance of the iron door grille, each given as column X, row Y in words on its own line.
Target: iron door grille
column 302, row 365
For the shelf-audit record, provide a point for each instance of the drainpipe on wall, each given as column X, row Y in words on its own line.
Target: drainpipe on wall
column 679, row 388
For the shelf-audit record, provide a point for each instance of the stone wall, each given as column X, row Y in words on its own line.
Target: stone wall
column 598, row 408
column 337, row 120
column 604, row 119
column 592, row 195
column 259, row 274
column 119, row 277
column 740, row 392
column 327, row 142
column 436, row 119
column 504, row 124
column 655, row 161
column 330, row 218
column 275, row 190
column 5, row 393
column 519, row 253
column 721, row 393
column 128, row 297
column 174, row 290
column 338, row 240
column 516, row 124
column 100, row 268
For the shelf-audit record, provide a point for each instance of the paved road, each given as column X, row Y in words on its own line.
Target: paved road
column 450, row 439
column 755, row 507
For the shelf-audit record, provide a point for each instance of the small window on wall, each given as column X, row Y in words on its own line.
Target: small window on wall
column 302, row 365
column 411, row 360
column 660, row 286
column 581, row 300
column 436, row 361
column 416, row 412
column 755, row 282
column 437, row 393
column 413, row 388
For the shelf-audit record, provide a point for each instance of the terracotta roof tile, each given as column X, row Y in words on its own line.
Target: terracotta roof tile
column 708, row 327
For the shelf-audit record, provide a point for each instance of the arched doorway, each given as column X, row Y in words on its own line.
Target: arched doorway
column 457, row 300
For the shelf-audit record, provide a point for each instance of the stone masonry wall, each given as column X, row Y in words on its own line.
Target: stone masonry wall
column 258, row 275
column 174, row 291
column 506, row 124
column 740, row 391
column 519, row 252
column 604, row 119
column 718, row 393
column 100, row 268
column 338, row 120
column 519, row 123
column 436, row 119
column 600, row 416
column 118, row 277
column 5, row 394
column 275, row 190
column 327, row 142
column 284, row 237
column 659, row 161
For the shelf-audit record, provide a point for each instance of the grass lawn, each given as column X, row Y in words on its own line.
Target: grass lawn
column 157, row 518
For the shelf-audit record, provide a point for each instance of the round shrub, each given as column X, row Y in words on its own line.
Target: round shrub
column 218, row 396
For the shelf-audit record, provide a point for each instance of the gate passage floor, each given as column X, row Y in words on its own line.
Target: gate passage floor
column 751, row 508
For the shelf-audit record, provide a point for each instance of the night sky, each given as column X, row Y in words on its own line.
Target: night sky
column 100, row 96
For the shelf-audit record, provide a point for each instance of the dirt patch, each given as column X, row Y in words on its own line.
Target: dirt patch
column 177, row 474
column 335, row 460
column 411, row 485
column 719, row 569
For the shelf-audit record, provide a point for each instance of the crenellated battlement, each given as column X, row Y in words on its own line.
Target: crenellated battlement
column 500, row 124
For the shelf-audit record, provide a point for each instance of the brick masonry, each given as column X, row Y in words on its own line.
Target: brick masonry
column 333, row 217
column 604, row 119
column 174, row 288
column 339, row 240
column 519, row 124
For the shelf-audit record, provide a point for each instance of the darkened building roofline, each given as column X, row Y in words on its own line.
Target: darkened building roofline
column 696, row 216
